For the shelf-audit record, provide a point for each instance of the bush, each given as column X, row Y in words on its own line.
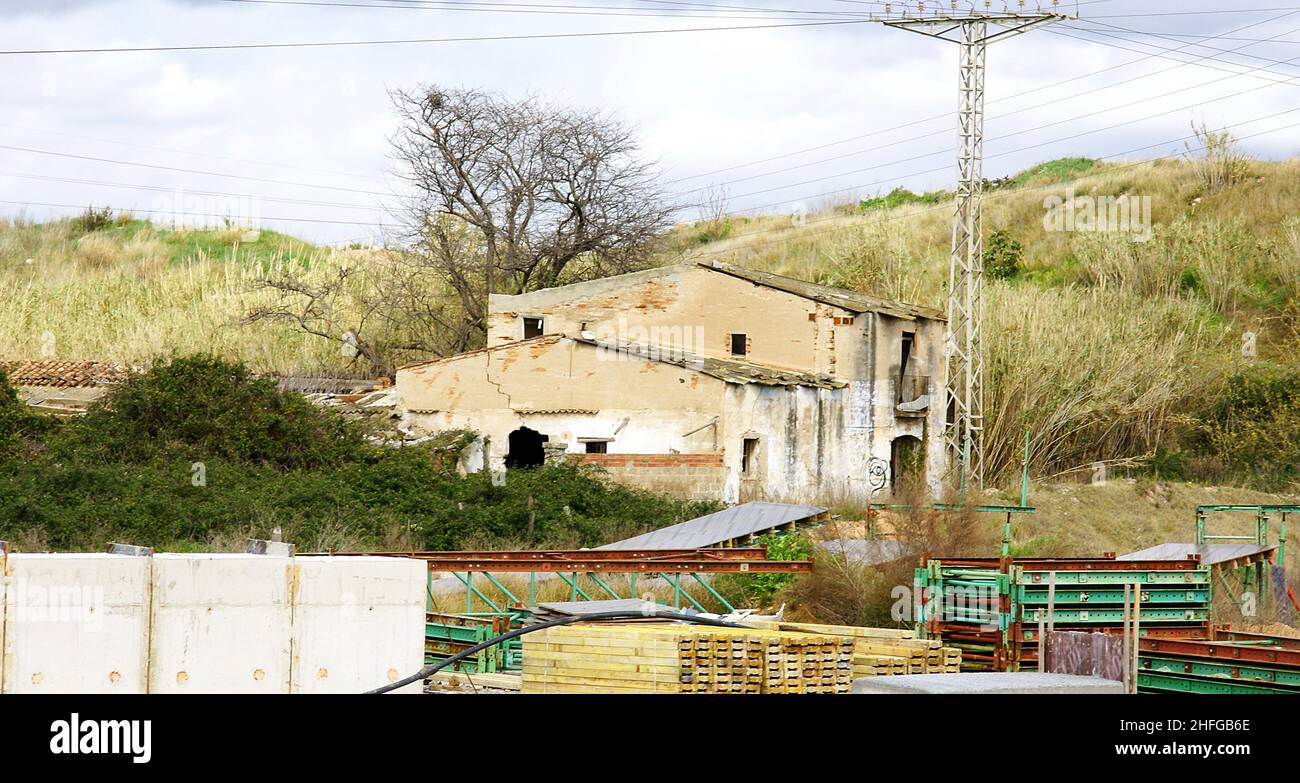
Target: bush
column 1254, row 427
column 93, row 220
column 759, row 589
column 205, row 408
column 1002, row 256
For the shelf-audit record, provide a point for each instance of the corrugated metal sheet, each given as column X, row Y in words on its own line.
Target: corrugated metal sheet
column 721, row 526
column 1210, row 553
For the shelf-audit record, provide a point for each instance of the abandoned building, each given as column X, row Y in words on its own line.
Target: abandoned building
column 705, row 381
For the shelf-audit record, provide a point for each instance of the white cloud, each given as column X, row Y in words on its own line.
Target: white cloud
column 703, row 101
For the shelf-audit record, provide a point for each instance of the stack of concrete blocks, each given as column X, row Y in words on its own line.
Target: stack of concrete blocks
column 208, row 623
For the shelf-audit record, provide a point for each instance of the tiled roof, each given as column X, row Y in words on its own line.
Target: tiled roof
column 63, row 374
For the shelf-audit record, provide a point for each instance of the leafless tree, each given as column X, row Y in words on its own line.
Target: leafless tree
column 512, row 196
column 507, row 197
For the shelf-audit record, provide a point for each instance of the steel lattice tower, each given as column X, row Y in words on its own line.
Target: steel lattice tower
column 973, row 31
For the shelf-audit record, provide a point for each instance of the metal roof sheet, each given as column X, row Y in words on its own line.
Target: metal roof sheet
column 725, row 525
column 838, row 297
column 1211, row 554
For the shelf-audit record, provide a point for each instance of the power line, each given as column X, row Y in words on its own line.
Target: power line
column 1104, row 157
column 175, row 151
column 1005, row 194
column 216, row 215
column 561, row 10
column 191, row 171
column 1232, row 74
column 946, row 115
column 1009, row 114
column 188, row 191
column 400, row 41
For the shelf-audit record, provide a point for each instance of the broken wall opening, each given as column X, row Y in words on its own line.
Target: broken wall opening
column 527, row 448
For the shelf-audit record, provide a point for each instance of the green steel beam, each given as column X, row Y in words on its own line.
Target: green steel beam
column 725, row 603
column 502, row 588
column 471, row 591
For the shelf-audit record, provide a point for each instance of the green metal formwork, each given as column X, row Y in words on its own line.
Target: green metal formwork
column 1002, row 633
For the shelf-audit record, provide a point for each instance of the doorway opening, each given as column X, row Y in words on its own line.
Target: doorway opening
column 526, row 448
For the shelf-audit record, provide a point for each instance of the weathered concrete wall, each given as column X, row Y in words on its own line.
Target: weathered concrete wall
column 358, row 623
column 567, row 391
column 883, row 368
column 221, row 624
column 80, row 623
column 694, row 309
column 75, row 623
column 685, row 476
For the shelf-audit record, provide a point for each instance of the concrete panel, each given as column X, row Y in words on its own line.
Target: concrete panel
column 221, row 623
column 358, row 623
column 76, row 623
column 986, row 682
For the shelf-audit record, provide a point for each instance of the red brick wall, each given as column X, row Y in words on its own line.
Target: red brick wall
column 685, row 476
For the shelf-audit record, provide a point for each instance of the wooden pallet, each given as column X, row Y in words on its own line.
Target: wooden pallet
column 676, row 658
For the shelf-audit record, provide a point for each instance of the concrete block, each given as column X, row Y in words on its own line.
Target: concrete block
column 358, row 623
column 75, row 623
column 986, row 683
column 221, row 623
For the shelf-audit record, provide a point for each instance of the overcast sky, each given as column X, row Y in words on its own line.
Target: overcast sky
column 312, row 124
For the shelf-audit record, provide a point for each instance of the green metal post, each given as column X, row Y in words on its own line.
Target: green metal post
column 573, row 594
column 1281, row 542
column 532, row 588
column 1024, row 475
column 1200, row 527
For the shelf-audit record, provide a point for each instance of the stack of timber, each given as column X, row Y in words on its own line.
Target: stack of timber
column 884, row 651
column 994, row 608
column 676, row 658
column 1231, row 662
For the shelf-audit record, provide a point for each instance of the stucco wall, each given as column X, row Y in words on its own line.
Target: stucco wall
column 567, row 391
column 694, row 309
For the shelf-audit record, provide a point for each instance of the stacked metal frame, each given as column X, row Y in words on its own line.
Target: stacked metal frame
column 995, row 609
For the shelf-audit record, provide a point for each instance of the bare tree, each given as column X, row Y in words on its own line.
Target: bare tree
column 508, row 197
column 512, row 196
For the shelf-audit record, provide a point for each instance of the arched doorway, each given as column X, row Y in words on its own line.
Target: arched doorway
column 906, row 463
column 526, row 450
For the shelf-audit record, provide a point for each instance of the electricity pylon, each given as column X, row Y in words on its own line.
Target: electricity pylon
column 973, row 31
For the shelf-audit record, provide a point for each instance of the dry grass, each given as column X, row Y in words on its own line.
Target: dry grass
column 127, row 298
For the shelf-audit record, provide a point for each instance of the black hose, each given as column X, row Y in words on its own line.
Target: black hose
column 463, row 654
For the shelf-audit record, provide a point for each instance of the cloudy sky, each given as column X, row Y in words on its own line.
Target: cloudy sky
column 778, row 116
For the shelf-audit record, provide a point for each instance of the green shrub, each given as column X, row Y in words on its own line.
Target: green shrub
column 757, row 590
column 1002, row 256
column 94, row 219
column 1253, row 428
column 205, row 408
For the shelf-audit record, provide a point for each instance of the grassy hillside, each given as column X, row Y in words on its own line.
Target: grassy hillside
column 1101, row 346
column 124, row 290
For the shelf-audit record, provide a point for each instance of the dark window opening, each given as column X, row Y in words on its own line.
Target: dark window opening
column 909, row 339
column 526, row 450
column 597, row 447
column 532, row 327
column 738, row 345
column 748, row 453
